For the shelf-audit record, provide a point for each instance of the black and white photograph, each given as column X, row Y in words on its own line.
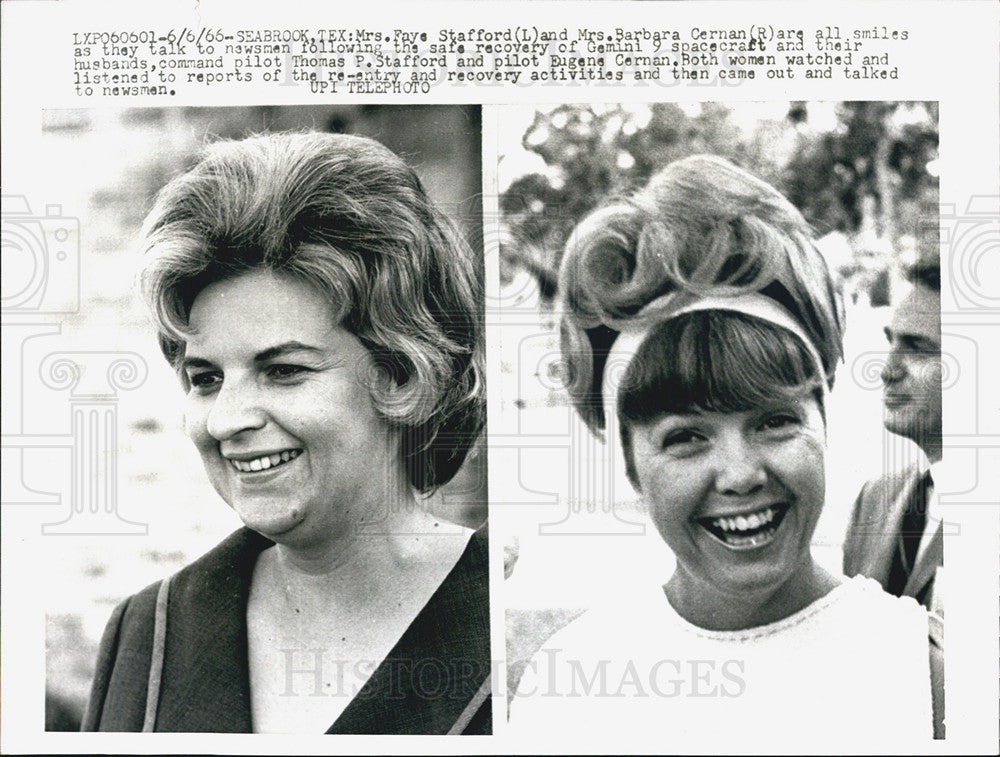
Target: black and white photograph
column 722, row 284
column 315, row 297
column 571, row 377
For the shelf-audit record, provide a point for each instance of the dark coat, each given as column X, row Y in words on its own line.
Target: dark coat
column 205, row 686
column 873, row 536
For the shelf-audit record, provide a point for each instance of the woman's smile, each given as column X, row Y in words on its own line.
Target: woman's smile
column 263, row 462
column 735, row 495
column 279, row 408
column 747, row 530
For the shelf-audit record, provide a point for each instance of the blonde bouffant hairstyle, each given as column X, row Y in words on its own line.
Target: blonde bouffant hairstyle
column 701, row 226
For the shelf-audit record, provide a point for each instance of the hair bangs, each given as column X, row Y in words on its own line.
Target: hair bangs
column 714, row 360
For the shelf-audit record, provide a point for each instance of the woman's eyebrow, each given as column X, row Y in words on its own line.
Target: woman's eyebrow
column 195, row 362
column 672, row 418
column 283, row 349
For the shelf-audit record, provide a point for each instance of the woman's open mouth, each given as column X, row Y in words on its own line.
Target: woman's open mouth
column 747, row 530
column 265, row 462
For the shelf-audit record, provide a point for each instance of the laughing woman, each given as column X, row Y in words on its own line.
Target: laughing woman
column 325, row 322
column 702, row 330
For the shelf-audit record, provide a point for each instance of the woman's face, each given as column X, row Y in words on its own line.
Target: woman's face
column 736, row 496
column 279, row 409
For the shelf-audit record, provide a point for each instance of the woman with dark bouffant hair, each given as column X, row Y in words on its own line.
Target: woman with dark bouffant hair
column 701, row 328
column 325, row 321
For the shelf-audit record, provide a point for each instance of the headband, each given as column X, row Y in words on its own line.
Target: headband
column 628, row 342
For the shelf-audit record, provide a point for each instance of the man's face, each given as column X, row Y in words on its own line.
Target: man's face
column 912, row 375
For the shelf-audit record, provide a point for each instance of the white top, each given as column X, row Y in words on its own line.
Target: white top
column 851, row 668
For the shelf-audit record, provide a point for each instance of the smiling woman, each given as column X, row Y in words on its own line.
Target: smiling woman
column 732, row 470
column 280, row 412
column 701, row 329
column 325, row 322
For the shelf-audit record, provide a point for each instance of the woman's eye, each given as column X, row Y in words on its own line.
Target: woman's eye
column 780, row 421
column 679, row 438
column 204, row 380
column 285, row 371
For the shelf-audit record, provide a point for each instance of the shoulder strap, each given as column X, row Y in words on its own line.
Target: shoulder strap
column 471, row 708
column 156, row 660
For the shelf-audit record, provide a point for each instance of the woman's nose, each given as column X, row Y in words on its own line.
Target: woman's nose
column 740, row 469
column 236, row 408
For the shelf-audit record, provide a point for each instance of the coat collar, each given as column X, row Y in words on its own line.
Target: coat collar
column 926, row 568
column 206, row 684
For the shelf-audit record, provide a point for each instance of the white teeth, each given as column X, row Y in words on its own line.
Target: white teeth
column 751, row 541
column 265, row 461
column 745, row 522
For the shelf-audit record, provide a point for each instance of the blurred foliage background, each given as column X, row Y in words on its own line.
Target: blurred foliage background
column 104, row 167
column 862, row 173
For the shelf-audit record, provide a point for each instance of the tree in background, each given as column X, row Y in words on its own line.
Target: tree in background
column 861, row 169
